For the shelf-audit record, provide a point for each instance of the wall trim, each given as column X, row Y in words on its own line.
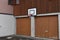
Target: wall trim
column 6, row 14
column 59, row 26
column 33, row 26
column 21, row 16
column 47, row 14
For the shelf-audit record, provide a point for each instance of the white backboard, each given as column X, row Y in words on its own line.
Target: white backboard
column 32, row 11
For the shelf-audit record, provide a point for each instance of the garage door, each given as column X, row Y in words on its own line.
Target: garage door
column 46, row 27
column 23, row 26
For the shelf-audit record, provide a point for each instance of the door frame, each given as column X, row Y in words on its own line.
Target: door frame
column 33, row 22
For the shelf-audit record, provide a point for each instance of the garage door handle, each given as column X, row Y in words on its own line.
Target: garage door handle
column 46, row 30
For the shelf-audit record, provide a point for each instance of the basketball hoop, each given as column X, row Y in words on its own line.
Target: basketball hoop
column 30, row 15
column 31, row 12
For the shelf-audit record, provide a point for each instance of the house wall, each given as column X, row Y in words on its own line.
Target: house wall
column 5, row 8
column 42, row 6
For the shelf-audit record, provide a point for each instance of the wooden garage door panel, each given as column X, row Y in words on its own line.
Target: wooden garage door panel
column 23, row 26
column 41, row 26
column 53, row 27
column 47, row 26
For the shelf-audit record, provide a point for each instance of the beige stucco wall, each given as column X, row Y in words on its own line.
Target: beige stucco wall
column 4, row 7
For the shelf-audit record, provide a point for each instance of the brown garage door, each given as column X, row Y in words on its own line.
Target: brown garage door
column 23, row 26
column 47, row 26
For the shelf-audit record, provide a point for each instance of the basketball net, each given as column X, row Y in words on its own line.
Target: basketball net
column 30, row 15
